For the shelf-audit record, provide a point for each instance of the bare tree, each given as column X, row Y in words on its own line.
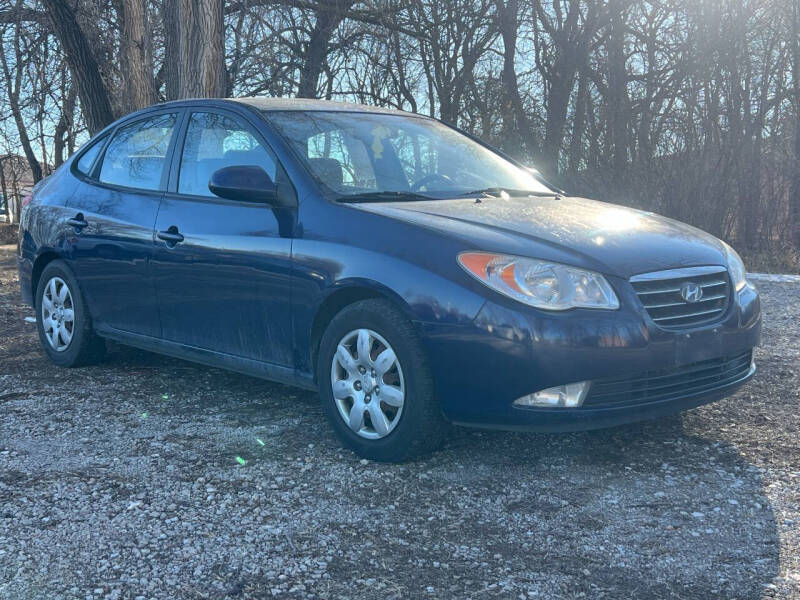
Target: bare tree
column 95, row 100
column 201, row 48
column 139, row 88
column 685, row 107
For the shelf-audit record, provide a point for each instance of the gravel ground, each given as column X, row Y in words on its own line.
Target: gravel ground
column 124, row 481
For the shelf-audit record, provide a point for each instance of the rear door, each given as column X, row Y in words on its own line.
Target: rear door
column 114, row 211
column 223, row 268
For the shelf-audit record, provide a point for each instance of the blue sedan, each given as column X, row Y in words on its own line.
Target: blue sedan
column 411, row 274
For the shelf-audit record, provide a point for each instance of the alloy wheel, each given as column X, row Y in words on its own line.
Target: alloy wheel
column 368, row 385
column 58, row 314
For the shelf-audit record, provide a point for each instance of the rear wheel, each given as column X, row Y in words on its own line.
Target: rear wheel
column 62, row 319
column 376, row 385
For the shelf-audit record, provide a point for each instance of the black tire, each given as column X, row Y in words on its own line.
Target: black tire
column 421, row 426
column 85, row 347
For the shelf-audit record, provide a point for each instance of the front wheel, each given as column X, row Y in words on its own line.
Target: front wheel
column 376, row 385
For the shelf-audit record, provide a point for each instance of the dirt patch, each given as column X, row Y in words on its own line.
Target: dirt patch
column 8, row 233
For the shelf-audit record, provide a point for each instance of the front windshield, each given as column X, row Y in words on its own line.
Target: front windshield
column 358, row 154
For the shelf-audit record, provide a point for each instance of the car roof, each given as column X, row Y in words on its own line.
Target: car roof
column 278, row 104
column 262, row 103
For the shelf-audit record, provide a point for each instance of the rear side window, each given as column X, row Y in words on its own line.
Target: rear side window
column 85, row 162
column 137, row 153
column 214, row 141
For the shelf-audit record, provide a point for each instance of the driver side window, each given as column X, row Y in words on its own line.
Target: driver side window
column 214, row 141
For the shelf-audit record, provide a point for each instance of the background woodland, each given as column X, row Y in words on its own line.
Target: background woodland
column 685, row 107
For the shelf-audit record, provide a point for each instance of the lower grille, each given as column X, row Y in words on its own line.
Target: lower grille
column 669, row 384
column 664, row 296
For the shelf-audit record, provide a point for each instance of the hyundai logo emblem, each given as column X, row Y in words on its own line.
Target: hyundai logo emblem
column 691, row 292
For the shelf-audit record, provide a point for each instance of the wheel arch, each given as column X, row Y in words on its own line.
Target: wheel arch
column 44, row 259
column 345, row 294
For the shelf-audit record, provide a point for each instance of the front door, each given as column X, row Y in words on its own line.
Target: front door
column 222, row 268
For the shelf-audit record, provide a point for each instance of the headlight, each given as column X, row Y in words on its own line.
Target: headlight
column 540, row 283
column 736, row 268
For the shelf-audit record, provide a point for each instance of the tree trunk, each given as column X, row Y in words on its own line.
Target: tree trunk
column 316, row 51
column 64, row 128
column 617, row 100
column 561, row 84
column 95, row 102
column 578, row 125
column 794, row 201
column 201, row 65
column 137, row 57
column 516, row 132
column 4, row 190
column 169, row 16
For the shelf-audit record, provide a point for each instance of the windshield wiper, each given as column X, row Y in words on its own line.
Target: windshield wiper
column 510, row 191
column 384, row 197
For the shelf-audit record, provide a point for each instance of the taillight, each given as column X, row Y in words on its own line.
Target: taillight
column 27, row 200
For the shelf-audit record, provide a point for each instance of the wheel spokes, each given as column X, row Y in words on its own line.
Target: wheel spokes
column 346, row 359
column 378, row 419
column 66, row 335
column 356, row 420
column 364, row 346
column 57, row 313
column 343, row 389
column 52, row 334
column 385, row 361
column 358, row 386
column 392, row 396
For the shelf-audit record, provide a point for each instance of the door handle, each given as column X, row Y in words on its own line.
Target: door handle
column 171, row 236
column 78, row 222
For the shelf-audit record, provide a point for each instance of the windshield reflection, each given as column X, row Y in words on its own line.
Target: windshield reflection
column 358, row 154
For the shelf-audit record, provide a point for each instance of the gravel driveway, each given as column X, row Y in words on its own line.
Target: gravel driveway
column 148, row 477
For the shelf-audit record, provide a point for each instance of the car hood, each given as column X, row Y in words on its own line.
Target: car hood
column 601, row 236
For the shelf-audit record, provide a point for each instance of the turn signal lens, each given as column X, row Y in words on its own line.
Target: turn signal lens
column 546, row 285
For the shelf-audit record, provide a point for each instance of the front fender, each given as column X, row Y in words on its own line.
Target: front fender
column 323, row 268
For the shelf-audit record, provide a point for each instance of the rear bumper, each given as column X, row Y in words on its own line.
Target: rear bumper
column 25, row 268
column 508, row 352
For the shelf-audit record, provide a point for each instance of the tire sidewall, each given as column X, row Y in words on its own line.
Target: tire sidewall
column 70, row 356
column 404, row 436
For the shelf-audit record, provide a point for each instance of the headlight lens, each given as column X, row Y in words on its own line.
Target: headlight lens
column 736, row 268
column 543, row 284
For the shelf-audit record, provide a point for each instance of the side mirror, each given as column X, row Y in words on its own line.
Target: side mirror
column 248, row 183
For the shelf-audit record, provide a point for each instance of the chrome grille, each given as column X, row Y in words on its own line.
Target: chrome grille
column 670, row 384
column 660, row 293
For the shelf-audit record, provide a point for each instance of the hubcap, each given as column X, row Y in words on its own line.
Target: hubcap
column 368, row 385
column 58, row 314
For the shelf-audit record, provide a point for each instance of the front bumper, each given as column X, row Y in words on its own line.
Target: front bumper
column 509, row 351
